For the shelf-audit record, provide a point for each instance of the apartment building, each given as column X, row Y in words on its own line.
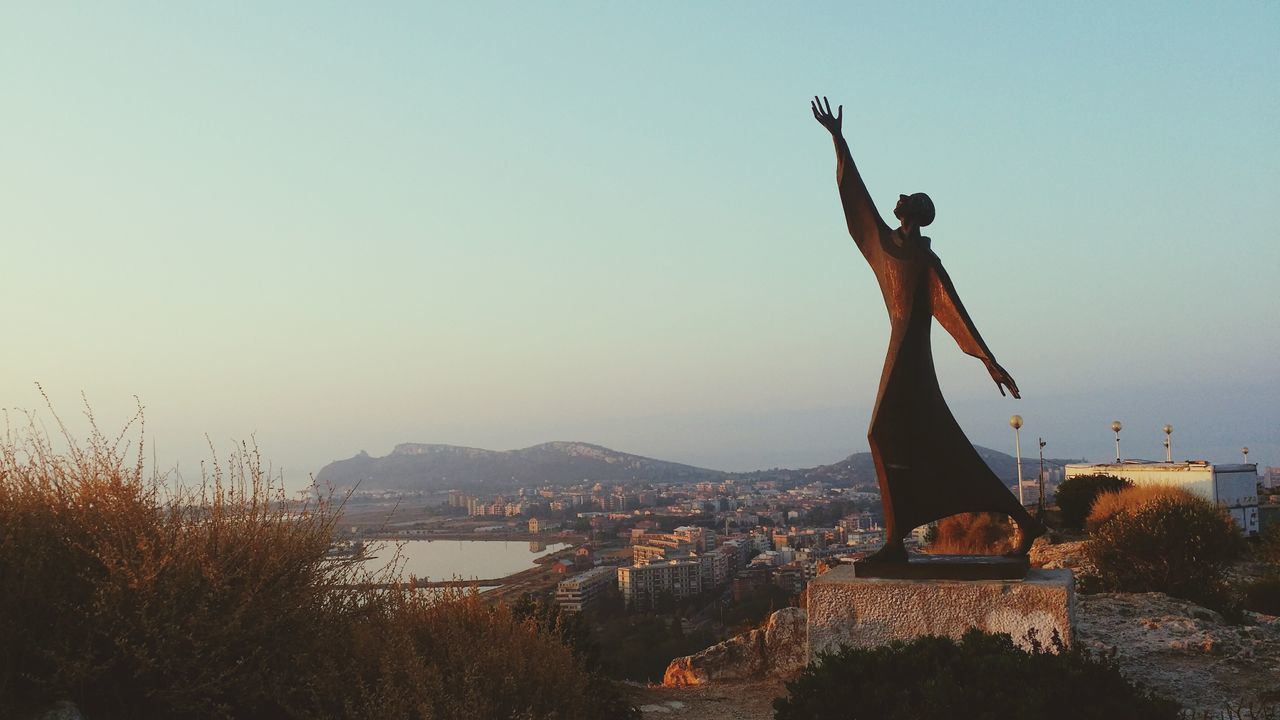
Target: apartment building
column 579, row 591
column 640, row 584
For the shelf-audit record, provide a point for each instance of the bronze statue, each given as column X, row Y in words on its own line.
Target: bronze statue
column 926, row 467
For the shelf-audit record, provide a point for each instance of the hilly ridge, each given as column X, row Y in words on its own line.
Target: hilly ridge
column 423, row 466
column 416, row 466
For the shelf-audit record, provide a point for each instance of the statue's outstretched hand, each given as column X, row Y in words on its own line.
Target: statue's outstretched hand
column 1002, row 378
column 824, row 116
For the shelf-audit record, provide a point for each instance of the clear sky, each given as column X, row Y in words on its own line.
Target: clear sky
column 337, row 227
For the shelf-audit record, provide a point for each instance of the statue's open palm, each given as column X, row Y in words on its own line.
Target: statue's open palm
column 823, row 115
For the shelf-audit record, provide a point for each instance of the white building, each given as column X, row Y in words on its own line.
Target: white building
column 715, row 568
column 642, row 583
column 1232, row 487
column 577, row 592
column 702, row 539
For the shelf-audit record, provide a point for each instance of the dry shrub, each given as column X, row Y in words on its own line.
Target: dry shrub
column 451, row 655
column 133, row 600
column 972, row 534
column 493, row 664
column 1108, row 504
column 1176, row 545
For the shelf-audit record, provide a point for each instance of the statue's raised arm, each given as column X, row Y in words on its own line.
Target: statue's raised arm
column 865, row 223
column 951, row 315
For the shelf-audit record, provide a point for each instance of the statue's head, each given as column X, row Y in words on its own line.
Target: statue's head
column 917, row 208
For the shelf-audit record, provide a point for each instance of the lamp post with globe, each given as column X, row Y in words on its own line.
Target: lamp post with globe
column 1040, row 502
column 1015, row 422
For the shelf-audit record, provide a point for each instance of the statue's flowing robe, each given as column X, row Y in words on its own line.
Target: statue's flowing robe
column 926, row 466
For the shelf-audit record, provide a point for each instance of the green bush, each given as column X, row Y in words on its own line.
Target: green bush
column 982, row 676
column 132, row 600
column 1268, row 547
column 1075, row 496
column 1179, row 546
column 1263, row 596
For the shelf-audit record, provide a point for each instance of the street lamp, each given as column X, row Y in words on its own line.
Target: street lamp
column 1015, row 422
column 1041, row 501
column 1168, row 452
column 1115, row 428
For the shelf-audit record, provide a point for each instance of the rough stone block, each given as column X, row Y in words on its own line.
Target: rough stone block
column 865, row 612
column 776, row 650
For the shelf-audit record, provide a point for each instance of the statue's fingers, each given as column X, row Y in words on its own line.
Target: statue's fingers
column 828, row 102
column 840, row 113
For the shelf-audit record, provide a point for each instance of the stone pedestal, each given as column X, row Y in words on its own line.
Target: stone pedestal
column 865, row 612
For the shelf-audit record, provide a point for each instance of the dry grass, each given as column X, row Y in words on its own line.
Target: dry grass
column 972, row 534
column 1175, row 543
column 134, row 600
column 1108, row 504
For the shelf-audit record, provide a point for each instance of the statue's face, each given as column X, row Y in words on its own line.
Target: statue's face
column 906, row 207
column 900, row 209
column 917, row 207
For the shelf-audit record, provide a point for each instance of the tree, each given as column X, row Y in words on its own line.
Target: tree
column 1075, row 496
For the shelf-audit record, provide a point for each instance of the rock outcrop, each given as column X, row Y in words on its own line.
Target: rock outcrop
column 774, row 650
column 1067, row 555
column 1183, row 650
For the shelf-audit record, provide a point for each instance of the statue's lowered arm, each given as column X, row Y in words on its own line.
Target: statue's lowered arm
column 865, row 223
column 951, row 315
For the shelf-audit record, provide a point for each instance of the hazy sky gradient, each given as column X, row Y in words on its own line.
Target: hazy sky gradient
column 338, row 228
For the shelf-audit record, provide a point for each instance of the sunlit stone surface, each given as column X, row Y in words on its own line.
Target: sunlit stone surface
column 864, row 612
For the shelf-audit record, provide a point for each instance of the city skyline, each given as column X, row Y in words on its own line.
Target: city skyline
column 335, row 230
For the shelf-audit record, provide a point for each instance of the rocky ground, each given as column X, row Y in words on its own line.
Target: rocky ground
column 728, row 701
column 778, row 649
column 1185, row 651
column 1176, row 648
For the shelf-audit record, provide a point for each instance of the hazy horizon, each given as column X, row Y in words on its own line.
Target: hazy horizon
column 337, row 228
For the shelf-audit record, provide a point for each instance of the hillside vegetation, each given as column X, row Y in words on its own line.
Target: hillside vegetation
column 133, row 600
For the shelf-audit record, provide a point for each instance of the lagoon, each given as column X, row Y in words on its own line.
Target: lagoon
column 465, row 559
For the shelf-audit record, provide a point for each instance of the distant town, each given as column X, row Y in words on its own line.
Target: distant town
column 662, row 542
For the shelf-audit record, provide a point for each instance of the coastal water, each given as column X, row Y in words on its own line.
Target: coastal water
column 465, row 559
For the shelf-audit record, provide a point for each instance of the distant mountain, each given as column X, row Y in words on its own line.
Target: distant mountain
column 414, row 466
column 421, row 467
column 858, row 469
